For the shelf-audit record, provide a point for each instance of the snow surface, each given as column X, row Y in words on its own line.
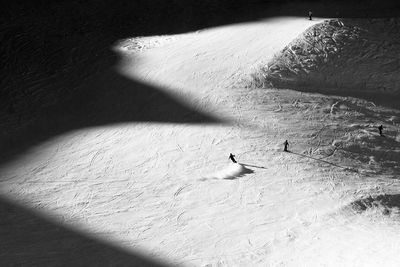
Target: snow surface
column 342, row 55
column 170, row 191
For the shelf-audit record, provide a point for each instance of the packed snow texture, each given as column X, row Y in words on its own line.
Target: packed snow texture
column 342, row 55
column 167, row 189
column 230, row 172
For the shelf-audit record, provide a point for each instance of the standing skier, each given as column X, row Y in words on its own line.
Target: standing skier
column 286, row 146
column 232, row 157
column 380, row 128
column 309, row 15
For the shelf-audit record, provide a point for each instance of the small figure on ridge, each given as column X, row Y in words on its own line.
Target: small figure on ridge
column 309, row 15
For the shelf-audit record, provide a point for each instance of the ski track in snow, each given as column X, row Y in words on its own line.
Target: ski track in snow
column 170, row 189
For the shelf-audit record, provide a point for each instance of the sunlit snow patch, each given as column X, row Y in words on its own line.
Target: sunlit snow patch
column 351, row 56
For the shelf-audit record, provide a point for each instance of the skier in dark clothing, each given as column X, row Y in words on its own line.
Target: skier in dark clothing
column 286, row 146
column 309, row 15
column 232, row 157
column 380, row 128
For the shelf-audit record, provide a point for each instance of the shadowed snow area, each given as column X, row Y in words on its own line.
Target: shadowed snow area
column 132, row 167
column 388, row 204
column 39, row 240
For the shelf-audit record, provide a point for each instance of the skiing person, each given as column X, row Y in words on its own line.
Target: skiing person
column 380, row 128
column 309, row 15
column 286, row 146
column 232, row 157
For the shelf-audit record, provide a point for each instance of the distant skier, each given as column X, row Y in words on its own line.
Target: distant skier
column 232, row 157
column 286, row 146
column 309, row 15
column 380, row 128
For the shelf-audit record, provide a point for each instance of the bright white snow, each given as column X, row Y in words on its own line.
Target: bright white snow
column 170, row 190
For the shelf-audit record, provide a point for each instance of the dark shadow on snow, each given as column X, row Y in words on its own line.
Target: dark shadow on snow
column 30, row 239
column 49, row 48
column 108, row 98
column 387, row 202
column 321, row 160
column 382, row 150
column 254, row 166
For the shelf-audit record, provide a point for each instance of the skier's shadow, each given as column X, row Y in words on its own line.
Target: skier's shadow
column 321, row 160
column 254, row 166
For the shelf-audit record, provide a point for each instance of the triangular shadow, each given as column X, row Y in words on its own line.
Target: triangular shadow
column 30, row 239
